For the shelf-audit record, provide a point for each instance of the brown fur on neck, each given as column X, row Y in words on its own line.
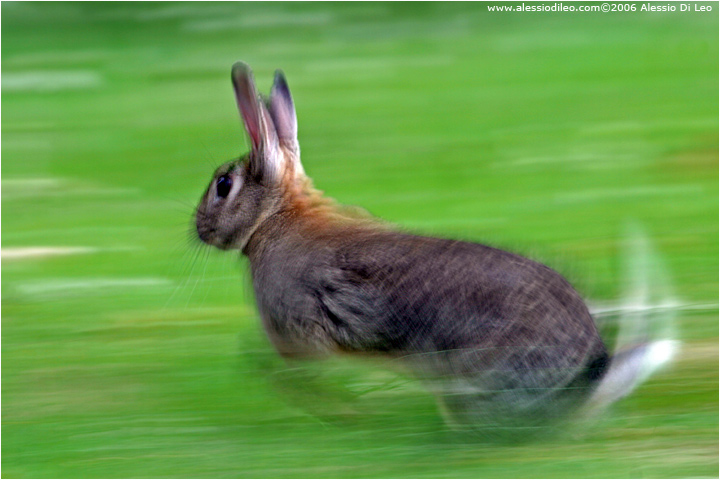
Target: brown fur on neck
column 302, row 201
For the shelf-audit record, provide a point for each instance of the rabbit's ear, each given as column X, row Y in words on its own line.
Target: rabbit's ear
column 282, row 111
column 266, row 159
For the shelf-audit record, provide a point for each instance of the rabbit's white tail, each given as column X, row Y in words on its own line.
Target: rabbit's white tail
column 646, row 328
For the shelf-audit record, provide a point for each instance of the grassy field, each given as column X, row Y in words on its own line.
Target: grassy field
column 128, row 350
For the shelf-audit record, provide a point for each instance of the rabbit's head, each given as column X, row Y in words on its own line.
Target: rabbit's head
column 245, row 192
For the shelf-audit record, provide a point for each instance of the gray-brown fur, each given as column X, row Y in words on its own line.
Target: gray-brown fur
column 481, row 323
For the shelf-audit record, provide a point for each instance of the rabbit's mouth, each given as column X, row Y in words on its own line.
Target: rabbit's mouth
column 209, row 236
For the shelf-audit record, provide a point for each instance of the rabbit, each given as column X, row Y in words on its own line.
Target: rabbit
column 495, row 334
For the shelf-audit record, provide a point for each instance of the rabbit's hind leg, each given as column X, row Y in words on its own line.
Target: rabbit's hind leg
column 491, row 415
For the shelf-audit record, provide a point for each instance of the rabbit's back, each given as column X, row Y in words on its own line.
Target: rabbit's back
column 450, row 308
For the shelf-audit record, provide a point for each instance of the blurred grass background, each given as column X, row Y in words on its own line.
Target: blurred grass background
column 136, row 353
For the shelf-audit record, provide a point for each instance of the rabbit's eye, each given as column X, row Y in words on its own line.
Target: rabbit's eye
column 224, row 184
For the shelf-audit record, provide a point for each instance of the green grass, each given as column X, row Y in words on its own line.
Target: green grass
column 541, row 133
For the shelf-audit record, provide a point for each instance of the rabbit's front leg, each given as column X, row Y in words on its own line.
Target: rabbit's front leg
column 297, row 336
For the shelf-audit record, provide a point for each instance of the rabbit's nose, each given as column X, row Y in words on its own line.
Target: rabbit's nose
column 205, row 233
